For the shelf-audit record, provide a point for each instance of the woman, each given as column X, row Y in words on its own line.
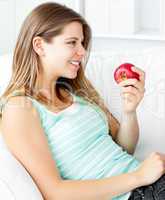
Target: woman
column 60, row 129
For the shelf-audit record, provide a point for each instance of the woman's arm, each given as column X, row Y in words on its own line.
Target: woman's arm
column 26, row 140
column 132, row 92
column 128, row 133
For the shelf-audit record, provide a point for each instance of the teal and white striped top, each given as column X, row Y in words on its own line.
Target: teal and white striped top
column 81, row 145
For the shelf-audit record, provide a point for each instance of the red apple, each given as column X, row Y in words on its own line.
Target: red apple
column 124, row 72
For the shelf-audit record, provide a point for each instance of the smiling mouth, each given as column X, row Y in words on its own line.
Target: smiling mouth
column 76, row 64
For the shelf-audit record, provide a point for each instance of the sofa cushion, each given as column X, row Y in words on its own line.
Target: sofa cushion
column 15, row 182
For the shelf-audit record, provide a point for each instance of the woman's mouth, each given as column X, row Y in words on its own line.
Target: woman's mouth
column 75, row 64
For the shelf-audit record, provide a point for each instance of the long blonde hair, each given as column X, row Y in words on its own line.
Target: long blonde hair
column 48, row 20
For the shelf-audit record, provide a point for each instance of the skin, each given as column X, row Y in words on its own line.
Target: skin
column 55, row 57
column 128, row 133
column 32, row 143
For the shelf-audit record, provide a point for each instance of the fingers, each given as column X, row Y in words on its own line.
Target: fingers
column 130, row 93
column 134, row 84
column 140, row 86
column 132, row 90
column 128, row 82
column 159, row 156
column 129, row 89
column 140, row 72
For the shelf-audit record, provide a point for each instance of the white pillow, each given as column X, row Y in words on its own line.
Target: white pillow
column 15, row 182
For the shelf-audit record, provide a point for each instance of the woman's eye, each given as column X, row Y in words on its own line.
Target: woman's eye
column 72, row 43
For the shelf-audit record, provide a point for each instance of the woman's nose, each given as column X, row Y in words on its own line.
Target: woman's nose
column 81, row 50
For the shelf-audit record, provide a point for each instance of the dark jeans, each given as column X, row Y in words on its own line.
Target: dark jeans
column 156, row 191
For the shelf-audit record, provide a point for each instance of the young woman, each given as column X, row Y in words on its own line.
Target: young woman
column 55, row 123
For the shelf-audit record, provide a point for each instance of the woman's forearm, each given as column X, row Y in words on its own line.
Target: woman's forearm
column 128, row 133
column 103, row 189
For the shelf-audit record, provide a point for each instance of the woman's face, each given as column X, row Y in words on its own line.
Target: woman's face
column 62, row 57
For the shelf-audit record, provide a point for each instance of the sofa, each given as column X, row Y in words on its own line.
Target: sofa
column 16, row 183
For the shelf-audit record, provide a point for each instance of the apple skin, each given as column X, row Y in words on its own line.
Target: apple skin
column 124, row 72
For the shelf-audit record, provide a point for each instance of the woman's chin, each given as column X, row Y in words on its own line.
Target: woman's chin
column 72, row 75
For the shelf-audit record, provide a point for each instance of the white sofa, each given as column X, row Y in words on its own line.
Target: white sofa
column 15, row 182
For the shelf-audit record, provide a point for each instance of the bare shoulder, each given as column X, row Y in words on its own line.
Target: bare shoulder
column 19, row 106
column 18, row 102
column 19, row 111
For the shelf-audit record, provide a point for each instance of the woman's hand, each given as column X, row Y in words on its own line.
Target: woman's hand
column 132, row 91
column 151, row 169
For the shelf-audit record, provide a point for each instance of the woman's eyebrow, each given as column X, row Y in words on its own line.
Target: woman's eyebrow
column 74, row 38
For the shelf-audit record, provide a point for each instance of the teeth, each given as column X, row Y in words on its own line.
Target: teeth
column 75, row 62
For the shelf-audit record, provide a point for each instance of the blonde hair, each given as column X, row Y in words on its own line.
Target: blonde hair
column 48, row 20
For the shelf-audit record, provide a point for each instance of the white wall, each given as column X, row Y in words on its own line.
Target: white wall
column 151, row 19
column 13, row 12
column 115, row 44
column 7, row 25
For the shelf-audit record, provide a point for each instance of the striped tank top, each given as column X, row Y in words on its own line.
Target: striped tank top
column 79, row 140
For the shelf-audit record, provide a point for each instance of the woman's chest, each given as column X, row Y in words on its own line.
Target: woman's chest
column 81, row 126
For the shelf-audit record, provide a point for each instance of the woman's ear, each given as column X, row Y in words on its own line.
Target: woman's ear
column 38, row 45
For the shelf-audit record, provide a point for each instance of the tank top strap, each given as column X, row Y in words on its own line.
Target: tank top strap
column 79, row 99
column 3, row 101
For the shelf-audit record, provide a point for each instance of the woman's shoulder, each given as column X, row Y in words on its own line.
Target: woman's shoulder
column 19, row 112
column 18, row 105
column 16, row 102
